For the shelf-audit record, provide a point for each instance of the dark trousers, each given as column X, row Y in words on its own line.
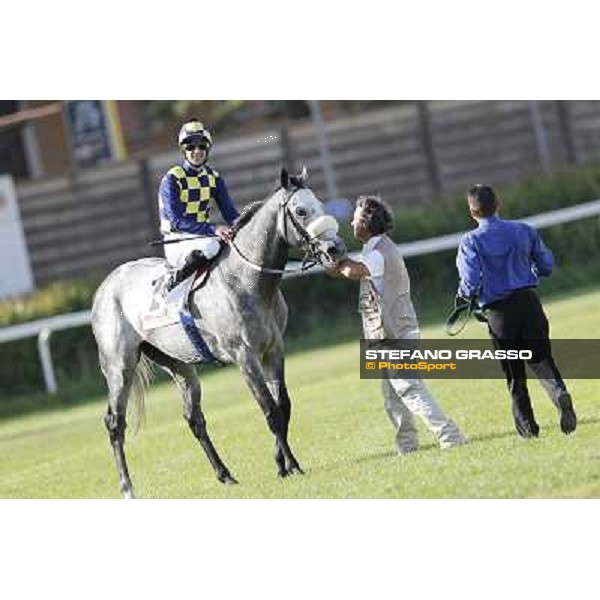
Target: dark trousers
column 518, row 322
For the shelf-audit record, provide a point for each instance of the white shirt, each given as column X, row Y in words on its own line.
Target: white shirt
column 374, row 261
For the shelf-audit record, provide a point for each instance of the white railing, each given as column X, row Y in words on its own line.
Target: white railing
column 44, row 328
column 447, row 242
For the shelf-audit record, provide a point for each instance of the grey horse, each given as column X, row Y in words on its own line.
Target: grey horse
column 240, row 313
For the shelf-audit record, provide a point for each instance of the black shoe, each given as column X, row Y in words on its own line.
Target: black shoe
column 568, row 418
column 195, row 262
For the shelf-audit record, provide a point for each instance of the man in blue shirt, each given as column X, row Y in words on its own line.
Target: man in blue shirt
column 500, row 263
column 185, row 196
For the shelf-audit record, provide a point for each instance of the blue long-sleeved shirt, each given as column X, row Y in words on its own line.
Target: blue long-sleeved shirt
column 184, row 200
column 500, row 257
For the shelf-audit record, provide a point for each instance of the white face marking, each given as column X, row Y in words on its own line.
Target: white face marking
column 305, row 206
column 309, row 211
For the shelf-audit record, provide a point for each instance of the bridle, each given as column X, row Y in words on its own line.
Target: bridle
column 300, row 229
column 309, row 244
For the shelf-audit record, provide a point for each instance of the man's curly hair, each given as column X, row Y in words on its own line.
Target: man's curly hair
column 377, row 215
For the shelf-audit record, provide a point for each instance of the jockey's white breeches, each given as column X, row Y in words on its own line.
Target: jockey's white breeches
column 177, row 252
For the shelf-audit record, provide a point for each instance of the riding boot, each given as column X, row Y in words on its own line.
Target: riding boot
column 194, row 262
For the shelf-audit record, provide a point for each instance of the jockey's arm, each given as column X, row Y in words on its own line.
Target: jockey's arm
column 350, row 269
column 169, row 197
column 228, row 211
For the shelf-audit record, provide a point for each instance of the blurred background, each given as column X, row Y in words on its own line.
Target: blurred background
column 81, row 181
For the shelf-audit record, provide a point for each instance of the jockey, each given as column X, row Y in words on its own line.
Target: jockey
column 184, row 203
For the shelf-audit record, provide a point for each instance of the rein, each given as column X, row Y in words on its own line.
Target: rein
column 457, row 320
column 305, row 264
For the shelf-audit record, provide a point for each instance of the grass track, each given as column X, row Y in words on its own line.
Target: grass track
column 339, row 432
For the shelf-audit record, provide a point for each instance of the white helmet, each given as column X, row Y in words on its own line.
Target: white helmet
column 193, row 130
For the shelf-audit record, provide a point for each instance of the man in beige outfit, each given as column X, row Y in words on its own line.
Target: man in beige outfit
column 387, row 314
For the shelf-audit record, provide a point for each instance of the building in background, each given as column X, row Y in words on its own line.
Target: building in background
column 79, row 218
column 79, row 134
column 12, row 150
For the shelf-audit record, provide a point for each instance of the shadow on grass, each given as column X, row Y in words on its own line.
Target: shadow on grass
column 498, row 435
column 494, row 435
column 377, row 456
column 588, row 421
column 431, row 446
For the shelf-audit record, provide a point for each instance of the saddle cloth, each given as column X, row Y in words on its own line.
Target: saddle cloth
column 172, row 308
column 166, row 307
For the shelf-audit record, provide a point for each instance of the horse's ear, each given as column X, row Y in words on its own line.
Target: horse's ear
column 304, row 175
column 285, row 179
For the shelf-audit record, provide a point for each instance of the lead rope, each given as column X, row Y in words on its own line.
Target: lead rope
column 462, row 312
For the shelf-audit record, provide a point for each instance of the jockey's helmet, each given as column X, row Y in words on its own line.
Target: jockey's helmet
column 194, row 131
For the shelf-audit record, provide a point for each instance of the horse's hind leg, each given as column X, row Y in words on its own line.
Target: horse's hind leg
column 119, row 353
column 119, row 375
column 185, row 377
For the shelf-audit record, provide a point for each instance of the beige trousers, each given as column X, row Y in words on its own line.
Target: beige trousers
column 405, row 398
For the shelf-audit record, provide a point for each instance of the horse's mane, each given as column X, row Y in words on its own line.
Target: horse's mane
column 247, row 213
column 251, row 209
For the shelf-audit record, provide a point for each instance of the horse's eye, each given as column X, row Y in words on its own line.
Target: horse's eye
column 300, row 211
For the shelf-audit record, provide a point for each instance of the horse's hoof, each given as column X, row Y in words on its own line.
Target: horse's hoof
column 227, row 479
column 295, row 470
column 128, row 495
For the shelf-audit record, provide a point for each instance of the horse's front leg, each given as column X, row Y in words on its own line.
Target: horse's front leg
column 273, row 366
column 277, row 416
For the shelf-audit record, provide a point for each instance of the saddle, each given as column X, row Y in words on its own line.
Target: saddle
column 166, row 307
column 173, row 309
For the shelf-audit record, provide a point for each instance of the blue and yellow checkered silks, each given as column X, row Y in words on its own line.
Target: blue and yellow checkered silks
column 196, row 191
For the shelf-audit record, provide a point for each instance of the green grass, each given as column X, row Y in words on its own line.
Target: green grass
column 339, row 433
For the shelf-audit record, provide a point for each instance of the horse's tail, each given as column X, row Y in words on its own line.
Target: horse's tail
column 142, row 377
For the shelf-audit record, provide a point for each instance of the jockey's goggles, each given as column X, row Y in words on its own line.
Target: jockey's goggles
column 191, row 147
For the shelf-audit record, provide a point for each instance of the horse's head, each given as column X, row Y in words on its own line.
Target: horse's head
column 305, row 224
